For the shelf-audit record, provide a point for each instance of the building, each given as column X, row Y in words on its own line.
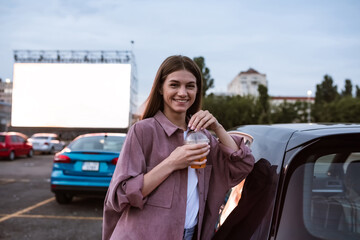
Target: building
column 5, row 104
column 5, row 91
column 247, row 83
column 281, row 99
column 5, row 114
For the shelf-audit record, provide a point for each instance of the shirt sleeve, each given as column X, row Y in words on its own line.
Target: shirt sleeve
column 232, row 166
column 127, row 181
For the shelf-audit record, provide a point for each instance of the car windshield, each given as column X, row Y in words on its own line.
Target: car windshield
column 98, row 143
column 2, row 138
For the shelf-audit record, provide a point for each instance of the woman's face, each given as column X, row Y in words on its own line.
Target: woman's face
column 179, row 91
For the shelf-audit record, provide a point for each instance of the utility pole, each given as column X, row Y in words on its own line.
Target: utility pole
column 309, row 106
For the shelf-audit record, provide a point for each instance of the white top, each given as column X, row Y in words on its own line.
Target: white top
column 192, row 203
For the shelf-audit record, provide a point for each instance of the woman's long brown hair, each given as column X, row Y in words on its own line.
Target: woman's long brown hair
column 155, row 101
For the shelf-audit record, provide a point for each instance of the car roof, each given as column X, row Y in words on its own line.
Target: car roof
column 314, row 126
column 101, row 134
column 44, row 134
column 13, row 133
column 299, row 133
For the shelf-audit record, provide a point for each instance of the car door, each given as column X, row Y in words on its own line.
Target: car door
column 22, row 145
column 15, row 144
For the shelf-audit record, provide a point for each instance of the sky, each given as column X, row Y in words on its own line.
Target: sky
column 295, row 43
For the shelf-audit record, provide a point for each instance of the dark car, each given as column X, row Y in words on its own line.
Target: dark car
column 86, row 165
column 14, row 144
column 305, row 185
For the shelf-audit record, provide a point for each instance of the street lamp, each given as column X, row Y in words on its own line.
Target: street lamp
column 309, row 107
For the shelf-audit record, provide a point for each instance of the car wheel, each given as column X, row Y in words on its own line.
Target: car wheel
column 30, row 153
column 52, row 150
column 63, row 198
column 12, row 156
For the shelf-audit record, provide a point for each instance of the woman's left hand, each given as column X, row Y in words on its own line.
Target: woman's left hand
column 203, row 119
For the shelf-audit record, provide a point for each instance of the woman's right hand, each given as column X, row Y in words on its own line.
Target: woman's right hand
column 187, row 155
column 180, row 158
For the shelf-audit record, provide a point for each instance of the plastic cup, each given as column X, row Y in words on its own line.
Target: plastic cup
column 195, row 138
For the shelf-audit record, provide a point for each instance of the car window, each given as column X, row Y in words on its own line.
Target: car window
column 98, row 143
column 20, row 139
column 249, row 205
column 2, row 138
column 40, row 137
column 323, row 195
column 14, row 138
column 335, row 196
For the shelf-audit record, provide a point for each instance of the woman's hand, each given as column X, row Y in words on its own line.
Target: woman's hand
column 203, row 119
column 180, row 158
column 187, row 155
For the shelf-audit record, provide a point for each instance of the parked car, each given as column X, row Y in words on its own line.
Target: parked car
column 86, row 165
column 14, row 144
column 305, row 185
column 46, row 143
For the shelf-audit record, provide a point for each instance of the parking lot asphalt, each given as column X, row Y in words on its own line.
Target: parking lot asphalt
column 28, row 209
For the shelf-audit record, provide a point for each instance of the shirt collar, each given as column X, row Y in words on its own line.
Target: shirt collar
column 165, row 123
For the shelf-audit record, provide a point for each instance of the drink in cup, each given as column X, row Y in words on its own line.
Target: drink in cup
column 194, row 138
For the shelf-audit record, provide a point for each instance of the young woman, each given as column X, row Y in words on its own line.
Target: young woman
column 154, row 193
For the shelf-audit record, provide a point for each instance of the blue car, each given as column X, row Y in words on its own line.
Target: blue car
column 86, row 165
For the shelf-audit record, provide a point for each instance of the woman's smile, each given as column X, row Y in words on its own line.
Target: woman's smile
column 181, row 100
column 179, row 92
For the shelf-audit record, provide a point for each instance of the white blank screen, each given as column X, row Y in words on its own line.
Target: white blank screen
column 71, row 95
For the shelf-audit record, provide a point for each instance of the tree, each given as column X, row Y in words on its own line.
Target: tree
column 346, row 110
column 326, row 91
column 231, row 111
column 208, row 82
column 263, row 105
column 357, row 94
column 347, row 89
column 289, row 112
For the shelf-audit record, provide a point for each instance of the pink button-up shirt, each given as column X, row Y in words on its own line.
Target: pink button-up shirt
column 161, row 215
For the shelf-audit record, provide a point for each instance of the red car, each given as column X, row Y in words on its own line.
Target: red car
column 13, row 144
